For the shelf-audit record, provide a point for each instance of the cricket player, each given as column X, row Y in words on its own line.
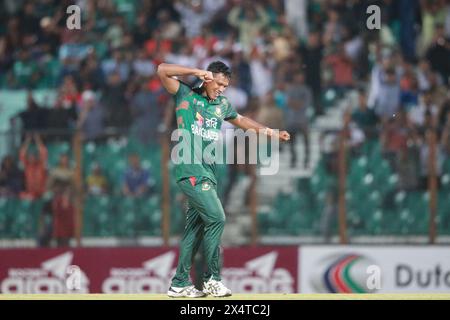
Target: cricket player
column 201, row 112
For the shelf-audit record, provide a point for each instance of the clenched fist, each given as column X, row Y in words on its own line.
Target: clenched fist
column 284, row 136
column 204, row 75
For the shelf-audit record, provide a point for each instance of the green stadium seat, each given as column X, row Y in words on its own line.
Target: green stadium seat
column 125, row 217
column 55, row 150
column 148, row 215
column 98, row 216
column 4, row 218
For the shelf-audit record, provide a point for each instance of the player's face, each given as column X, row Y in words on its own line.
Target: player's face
column 217, row 87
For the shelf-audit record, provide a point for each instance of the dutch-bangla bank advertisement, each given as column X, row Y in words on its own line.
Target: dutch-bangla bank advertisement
column 374, row 269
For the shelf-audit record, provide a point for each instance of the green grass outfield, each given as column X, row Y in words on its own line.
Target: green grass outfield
column 234, row 297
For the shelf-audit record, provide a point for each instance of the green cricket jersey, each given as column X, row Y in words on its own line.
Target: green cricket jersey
column 202, row 119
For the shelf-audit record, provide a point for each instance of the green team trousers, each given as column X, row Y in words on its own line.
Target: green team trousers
column 205, row 221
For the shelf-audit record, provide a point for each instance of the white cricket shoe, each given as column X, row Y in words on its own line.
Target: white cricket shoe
column 216, row 288
column 185, row 292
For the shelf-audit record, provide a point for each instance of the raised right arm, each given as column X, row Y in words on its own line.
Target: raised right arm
column 166, row 72
column 24, row 148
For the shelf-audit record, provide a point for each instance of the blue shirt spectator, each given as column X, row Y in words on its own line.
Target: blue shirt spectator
column 137, row 181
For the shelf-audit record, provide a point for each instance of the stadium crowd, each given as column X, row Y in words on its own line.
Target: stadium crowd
column 285, row 56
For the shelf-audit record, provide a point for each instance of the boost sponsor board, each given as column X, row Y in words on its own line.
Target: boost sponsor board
column 365, row 269
column 108, row 270
column 261, row 269
column 138, row 270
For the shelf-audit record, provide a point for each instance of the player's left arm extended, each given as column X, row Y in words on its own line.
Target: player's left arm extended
column 246, row 123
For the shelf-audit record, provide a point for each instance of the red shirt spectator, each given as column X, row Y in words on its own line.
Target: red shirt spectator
column 34, row 169
column 342, row 68
column 63, row 218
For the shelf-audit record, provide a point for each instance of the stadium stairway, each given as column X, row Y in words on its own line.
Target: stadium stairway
column 238, row 228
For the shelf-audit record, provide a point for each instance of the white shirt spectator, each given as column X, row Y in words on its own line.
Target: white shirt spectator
column 262, row 80
column 212, row 6
column 182, row 59
column 237, row 97
column 143, row 67
column 384, row 96
column 417, row 114
column 205, row 63
column 296, row 16
column 111, row 65
column 191, row 19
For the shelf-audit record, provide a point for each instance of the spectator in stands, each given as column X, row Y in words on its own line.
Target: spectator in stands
column 334, row 29
column 91, row 119
column 49, row 37
column 61, row 183
column 385, row 90
column 241, row 68
column 193, row 17
column 249, row 18
column 439, row 52
column 34, row 168
column 45, row 225
column 312, row 54
column 329, row 145
column 438, row 91
column 397, row 134
column 442, row 119
column 63, row 214
column 91, row 74
column 147, row 111
column 261, row 68
column 61, row 178
column 11, row 178
column 426, row 105
column 445, row 136
column 270, row 114
column 25, row 73
column 341, row 67
column 141, row 30
column 299, row 100
column 183, row 55
column 29, row 22
column 61, row 119
column 114, row 35
column 96, row 182
column 365, row 118
column 237, row 96
column 34, row 118
column 137, row 181
column 142, row 65
column 168, row 28
column 10, row 41
column 409, row 94
column 354, row 135
column 73, row 50
column 115, row 103
column 424, row 154
column 117, row 64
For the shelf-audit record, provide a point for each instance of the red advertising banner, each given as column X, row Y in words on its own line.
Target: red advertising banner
column 139, row 270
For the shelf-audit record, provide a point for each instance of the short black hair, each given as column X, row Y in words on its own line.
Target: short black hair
column 219, row 67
